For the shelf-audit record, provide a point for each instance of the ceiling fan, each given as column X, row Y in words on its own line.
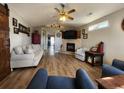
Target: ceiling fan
column 64, row 14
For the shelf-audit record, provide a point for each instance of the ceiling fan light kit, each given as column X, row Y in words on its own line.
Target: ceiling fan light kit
column 62, row 18
column 64, row 15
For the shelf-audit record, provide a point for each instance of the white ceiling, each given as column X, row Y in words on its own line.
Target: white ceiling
column 42, row 14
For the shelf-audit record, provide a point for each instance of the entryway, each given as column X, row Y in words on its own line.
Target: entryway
column 51, row 45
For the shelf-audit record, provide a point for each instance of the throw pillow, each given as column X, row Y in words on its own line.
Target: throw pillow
column 28, row 51
column 18, row 50
column 24, row 48
column 30, row 47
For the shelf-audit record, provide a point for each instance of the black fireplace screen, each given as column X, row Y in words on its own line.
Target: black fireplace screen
column 70, row 47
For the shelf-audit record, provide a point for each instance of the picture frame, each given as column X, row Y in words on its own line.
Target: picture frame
column 14, row 22
column 16, row 31
column 83, row 31
column 85, row 36
column 28, row 29
column 22, row 28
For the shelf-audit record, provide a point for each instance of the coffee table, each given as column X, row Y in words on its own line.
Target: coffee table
column 113, row 82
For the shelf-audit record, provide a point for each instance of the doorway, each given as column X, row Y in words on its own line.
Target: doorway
column 51, row 44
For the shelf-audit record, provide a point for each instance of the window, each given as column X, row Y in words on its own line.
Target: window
column 100, row 25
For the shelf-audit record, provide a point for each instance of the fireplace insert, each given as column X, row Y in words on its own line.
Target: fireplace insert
column 70, row 47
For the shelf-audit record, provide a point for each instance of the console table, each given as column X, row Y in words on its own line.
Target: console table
column 93, row 55
column 113, row 82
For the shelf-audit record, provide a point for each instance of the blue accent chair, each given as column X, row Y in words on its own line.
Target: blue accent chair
column 117, row 68
column 41, row 80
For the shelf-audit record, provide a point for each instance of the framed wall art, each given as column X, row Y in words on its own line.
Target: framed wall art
column 14, row 22
column 28, row 31
column 22, row 28
column 83, row 31
column 85, row 36
column 16, row 31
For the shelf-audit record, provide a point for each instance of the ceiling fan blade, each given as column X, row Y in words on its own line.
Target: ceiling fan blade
column 69, row 17
column 62, row 5
column 57, row 10
column 71, row 11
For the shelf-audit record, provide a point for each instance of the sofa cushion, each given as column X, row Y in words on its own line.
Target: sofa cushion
column 118, row 64
column 18, row 50
column 29, row 46
column 108, row 70
column 83, row 81
column 36, row 47
column 59, row 82
column 24, row 47
column 38, row 55
column 29, row 51
column 39, row 81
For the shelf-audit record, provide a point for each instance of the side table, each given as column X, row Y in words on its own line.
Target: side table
column 93, row 55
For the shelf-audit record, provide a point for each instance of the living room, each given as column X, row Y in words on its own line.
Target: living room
column 50, row 50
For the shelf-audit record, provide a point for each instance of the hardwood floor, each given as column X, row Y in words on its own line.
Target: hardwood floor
column 58, row 64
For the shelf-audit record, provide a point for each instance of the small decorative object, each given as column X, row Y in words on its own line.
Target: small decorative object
column 122, row 25
column 44, row 33
column 83, row 31
column 85, row 36
column 16, row 31
column 14, row 22
column 58, row 34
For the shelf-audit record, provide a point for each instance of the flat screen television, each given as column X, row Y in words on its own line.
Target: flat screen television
column 70, row 34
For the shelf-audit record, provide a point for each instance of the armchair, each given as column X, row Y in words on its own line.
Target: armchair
column 117, row 68
column 41, row 80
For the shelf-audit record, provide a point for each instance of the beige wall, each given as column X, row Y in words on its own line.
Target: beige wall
column 21, row 38
column 113, row 37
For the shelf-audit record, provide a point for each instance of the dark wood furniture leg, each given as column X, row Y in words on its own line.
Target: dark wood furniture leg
column 100, row 87
column 86, row 58
column 101, row 60
column 92, row 60
column 93, row 55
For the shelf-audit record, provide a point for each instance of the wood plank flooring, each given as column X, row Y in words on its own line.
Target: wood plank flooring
column 58, row 64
